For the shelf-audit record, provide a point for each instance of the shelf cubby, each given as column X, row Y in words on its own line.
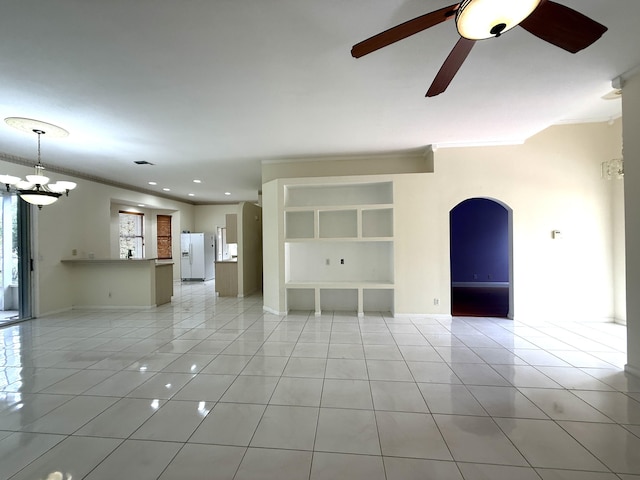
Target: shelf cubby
column 342, row 299
column 338, row 224
column 299, row 224
column 343, row 194
column 377, row 223
column 301, row 299
column 377, row 300
column 339, row 262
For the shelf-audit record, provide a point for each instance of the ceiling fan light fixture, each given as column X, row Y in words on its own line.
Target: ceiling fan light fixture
column 480, row 19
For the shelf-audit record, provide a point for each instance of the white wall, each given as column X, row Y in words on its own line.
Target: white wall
column 552, row 182
column 631, row 115
column 619, row 252
column 272, row 249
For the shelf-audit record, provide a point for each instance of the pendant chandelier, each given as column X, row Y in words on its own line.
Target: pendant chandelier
column 36, row 189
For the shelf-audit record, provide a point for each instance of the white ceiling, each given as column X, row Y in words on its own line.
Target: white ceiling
column 207, row 89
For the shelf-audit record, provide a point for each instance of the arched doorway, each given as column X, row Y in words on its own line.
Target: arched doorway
column 481, row 238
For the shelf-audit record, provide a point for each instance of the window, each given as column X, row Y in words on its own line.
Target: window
column 164, row 237
column 131, row 235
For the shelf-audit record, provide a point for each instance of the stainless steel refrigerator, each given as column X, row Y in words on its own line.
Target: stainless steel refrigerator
column 197, row 256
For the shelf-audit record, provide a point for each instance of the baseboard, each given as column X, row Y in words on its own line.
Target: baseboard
column 53, row 312
column 437, row 316
column 114, row 307
column 272, row 311
column 631, row 370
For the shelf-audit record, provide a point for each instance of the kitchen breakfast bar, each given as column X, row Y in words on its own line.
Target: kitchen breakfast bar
column 120, row 283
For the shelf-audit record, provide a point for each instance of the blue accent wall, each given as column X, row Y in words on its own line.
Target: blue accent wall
column 479, row 241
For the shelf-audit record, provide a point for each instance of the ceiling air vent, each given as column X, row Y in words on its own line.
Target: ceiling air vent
column 142, row 162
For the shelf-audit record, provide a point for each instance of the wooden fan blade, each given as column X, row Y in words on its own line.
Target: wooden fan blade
column 451, row 66
column 563, row 26
column 403, row 30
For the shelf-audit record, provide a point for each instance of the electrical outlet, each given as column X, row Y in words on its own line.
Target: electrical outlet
column 475, row 276
column 327, row 262
column 436, row 301
column 342, row 261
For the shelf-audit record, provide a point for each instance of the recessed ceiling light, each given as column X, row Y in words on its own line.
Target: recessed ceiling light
column 166, row 189
column 227, row 193
column 192, row 194
column 29, row 125
column 197, row 181
column 153, row 183
column 141, row 204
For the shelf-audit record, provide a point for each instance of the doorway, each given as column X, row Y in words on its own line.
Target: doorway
column 15, row 260
column 481, row 239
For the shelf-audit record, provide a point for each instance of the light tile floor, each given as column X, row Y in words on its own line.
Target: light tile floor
column 213, row 388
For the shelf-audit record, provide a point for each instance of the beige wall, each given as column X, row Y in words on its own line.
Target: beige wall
column 249, row 249
column 631, row 115
column 209, row 217
column 84, row 222
column 552, row 182
column 415, row 161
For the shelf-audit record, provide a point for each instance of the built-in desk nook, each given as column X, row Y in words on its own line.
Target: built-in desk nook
column 117, row 283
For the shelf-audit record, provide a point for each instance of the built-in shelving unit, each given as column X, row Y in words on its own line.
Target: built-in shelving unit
column 338, row 247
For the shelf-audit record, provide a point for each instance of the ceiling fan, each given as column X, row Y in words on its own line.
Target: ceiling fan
column 481, row 19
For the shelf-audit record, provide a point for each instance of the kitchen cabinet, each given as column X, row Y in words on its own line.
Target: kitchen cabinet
column 231, row 220
column 227, row 278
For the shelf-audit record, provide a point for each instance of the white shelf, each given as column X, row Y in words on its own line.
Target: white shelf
column 356, row 223
column 345, row 296
column 331, row 208
column 338, row 261
column 338, row 246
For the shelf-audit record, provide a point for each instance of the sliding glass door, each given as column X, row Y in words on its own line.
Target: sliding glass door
column 15, row 260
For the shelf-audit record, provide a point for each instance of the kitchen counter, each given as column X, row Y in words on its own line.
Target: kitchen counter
column 119, row 283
